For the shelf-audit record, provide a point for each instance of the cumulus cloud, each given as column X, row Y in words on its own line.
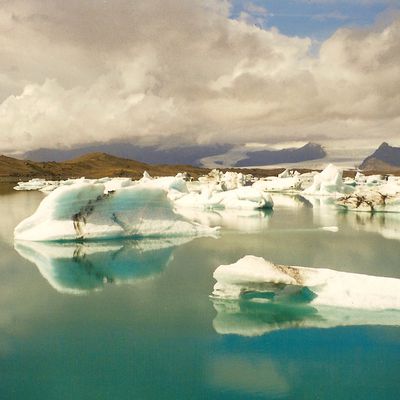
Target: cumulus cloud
column 79, row 72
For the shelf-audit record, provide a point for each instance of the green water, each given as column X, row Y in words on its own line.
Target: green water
column 135, row 321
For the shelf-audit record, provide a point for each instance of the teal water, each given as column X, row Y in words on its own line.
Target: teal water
column 133, row 320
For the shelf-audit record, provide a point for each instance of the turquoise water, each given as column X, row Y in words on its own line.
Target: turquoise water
column 133, row 320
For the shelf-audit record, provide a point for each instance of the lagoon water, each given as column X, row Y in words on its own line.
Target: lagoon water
column 134, row 320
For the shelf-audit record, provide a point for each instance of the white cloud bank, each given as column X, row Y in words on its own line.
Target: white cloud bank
column 88, row 71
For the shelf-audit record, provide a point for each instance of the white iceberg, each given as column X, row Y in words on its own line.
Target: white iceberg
column 243, row 198
column 32, row 184
column 252, row 276
column 329, row 182
column 279, row 184
column 82, row 211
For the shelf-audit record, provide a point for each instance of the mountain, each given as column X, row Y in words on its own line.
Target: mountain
column 310, row 151
column 385, row 157
column 190, row 155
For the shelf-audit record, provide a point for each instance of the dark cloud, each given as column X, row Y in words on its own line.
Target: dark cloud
column 78, row 72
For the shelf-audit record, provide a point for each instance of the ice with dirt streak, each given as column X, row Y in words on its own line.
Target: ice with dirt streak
column 83, row 211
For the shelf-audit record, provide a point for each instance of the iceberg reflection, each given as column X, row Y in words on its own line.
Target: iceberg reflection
column 385, row 224
column 248, row 221
column 76, row 268
column 255, row 318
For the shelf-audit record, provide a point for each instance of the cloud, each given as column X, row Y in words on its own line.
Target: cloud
column 82, row 72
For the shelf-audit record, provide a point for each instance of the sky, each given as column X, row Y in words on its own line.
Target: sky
column 173, row 72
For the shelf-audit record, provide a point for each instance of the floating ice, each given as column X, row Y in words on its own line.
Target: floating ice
column 328, row 182
column 255, row 277
column 82, row 211
column 370, row 201
column 76, row 268
column 279, row 184
column 33, row 184
column 243, row 198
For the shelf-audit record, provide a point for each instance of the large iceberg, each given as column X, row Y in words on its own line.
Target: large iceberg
column 255, row 277
column 76, row 268
column 83, row 211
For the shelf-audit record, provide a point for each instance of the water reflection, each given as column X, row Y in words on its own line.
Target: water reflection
column 386, row 224
column 241, row 220
column 252, row 318
column 254, row 375
column 282, row 200
column 76, row 268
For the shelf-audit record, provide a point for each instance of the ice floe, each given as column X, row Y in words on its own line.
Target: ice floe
column 82, row 211
column 255, row 277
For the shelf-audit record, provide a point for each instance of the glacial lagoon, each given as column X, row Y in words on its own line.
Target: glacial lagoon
column 134, row 319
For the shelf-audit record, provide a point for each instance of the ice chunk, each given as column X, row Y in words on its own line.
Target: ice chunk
column 328, row 182
column 82, row 211
column 369, row 201
column 253, row 275
column 33, row 184
column 77, row 268
column 280, row 184
column 117, row 183
column 243, row 198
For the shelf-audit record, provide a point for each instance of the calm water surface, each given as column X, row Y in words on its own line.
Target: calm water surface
column 133, row 320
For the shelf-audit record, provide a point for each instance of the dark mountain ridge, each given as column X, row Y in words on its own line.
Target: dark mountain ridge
column 310, row 151
column 384, row 157
column 190, row 155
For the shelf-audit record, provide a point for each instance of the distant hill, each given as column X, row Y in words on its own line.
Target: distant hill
column 190, row 155
column 310, row 151
column 97, row 165
column 93, row 165
column 385, row 157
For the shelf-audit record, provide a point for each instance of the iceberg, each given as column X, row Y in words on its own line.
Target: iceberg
column 243, row 198
column 32, row 184
column 77, row 268
column 254, row 277
column 82, row 211
column 329, row 182
column 369, row 201
column 279, row 184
